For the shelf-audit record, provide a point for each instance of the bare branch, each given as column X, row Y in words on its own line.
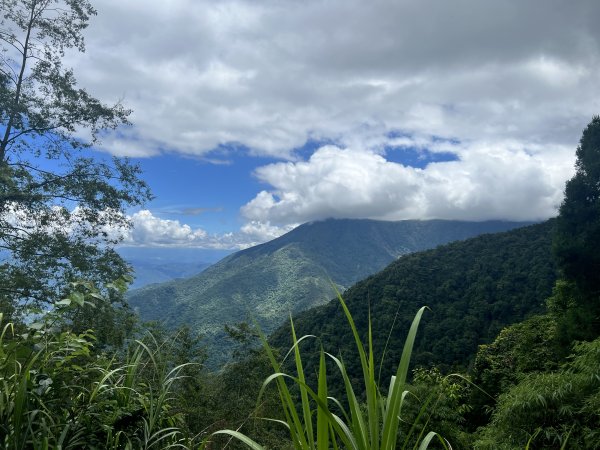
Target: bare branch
column 11, row 39
column 15, row 136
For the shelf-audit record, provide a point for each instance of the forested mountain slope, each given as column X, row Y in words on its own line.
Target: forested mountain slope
column 292, row 273
column 474, row 288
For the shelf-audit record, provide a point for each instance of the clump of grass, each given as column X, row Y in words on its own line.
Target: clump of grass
column 56, row 393
column 321, row 422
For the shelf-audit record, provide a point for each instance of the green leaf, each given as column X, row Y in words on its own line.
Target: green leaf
column 77, row 297
column 241, row 437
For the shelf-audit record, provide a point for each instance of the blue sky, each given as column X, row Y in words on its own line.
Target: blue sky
column 201, row 193
column 250, row 118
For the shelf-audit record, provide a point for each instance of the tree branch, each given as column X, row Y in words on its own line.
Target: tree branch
column 19, row 86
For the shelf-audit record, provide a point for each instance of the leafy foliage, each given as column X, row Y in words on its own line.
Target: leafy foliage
column 57, row 205
column 520, row 349
column 555, row 408
column 57, row 392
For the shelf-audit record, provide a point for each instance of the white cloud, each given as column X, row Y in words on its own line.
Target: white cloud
column 489, row 181
column 151, row 231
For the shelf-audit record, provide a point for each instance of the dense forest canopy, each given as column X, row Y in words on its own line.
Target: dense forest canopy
column 474, row 289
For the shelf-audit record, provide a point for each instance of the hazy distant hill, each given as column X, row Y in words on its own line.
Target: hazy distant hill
column 292, row 273
column 161, row 264
column 473, row 288
column 151, row 271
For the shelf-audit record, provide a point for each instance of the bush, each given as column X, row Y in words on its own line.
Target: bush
column 556, row 409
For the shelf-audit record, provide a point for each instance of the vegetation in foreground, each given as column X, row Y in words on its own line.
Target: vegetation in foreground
column 59, row 393
column 346, row 422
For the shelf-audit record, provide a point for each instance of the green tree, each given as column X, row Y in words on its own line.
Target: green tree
column 58, row 205
column 577, row 238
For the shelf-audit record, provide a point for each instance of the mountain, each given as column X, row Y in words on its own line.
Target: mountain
column 159, row 271
column 160, row 264
column 473, row 288
column 292, row 273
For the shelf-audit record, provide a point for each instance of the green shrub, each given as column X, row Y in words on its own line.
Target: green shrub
column 552, row 410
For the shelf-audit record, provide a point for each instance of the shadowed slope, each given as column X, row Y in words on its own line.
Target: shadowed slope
column 474, row 288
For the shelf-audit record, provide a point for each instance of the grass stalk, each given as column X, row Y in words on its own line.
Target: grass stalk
column 356, row 428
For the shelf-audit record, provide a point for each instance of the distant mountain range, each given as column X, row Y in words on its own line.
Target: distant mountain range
column 161, row 264
column 292, row 273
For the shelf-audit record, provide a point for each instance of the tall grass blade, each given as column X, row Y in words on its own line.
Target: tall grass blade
column 359, row 428
column 308, row 426
column 322, row 419
column 392, row 413
column 387, row 343
column 369, row 382
column 241, row 437
column 287, row 402
column 427, row 440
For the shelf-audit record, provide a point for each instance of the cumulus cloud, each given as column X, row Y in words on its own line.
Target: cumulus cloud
column 149, row 230
column 488, row 181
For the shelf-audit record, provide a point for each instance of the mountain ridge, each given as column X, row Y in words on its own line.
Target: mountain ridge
column 473, row 288
column 292, row 273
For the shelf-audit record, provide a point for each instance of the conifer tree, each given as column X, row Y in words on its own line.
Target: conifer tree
column 577, row 238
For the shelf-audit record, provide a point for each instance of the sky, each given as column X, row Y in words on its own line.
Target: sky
column 251, row 117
